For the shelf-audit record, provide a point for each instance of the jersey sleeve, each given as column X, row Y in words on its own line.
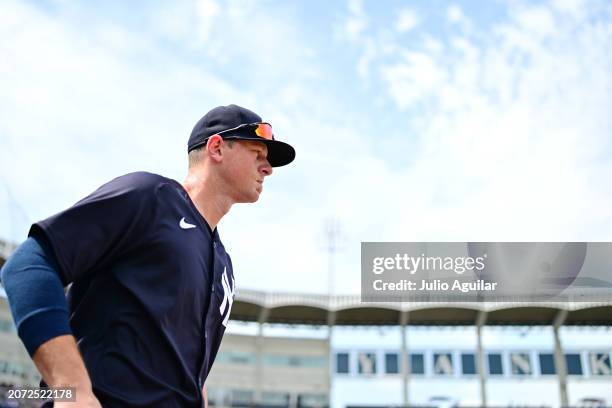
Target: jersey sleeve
column 103, row 226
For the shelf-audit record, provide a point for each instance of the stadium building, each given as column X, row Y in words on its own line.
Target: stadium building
column 301, row 350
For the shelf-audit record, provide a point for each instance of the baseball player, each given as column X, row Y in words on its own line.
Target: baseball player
column 152, row 286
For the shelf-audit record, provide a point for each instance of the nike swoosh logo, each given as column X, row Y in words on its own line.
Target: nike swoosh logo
column 185, row 225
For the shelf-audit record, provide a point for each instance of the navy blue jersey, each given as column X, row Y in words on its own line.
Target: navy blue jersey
column 152, row 289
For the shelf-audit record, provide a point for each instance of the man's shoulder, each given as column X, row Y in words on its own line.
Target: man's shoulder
column 144, row 178
column 140, row 181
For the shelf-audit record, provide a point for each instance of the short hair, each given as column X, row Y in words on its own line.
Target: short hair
column 196, row 155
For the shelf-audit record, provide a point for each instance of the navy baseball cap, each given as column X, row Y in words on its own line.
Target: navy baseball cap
column 237, row 123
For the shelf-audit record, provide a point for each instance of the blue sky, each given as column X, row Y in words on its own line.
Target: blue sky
column 412, row 121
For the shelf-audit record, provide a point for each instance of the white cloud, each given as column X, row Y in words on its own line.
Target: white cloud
column 413, row 78
column 406, row 20
column 431, row 45
column 536, row 21
column 84, row 96
column 356, row 30
column 90, row 103
column 365, row 60
column 356, row 22
column 207, row 11
column 69, row 97
column 509, row 123
column 175, row 21
column 454, row 13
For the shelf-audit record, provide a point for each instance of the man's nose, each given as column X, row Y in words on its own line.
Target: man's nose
column 266, row 168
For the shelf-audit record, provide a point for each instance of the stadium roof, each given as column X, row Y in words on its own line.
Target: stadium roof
column 348, row 310
column 294, row 308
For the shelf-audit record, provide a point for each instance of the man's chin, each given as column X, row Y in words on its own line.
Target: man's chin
column 250, row 198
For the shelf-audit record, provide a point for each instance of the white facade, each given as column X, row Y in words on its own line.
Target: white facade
column 524, row 354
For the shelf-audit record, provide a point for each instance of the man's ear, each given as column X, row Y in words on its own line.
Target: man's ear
column 213, row 147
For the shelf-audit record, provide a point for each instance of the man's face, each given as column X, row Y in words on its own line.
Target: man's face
column 246, row 165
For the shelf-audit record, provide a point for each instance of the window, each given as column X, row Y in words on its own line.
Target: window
column 314, row 361
column 495, row 364
column 294, row 361
column 443, row 364
column 391, row 363
column 547, row 364
column 6, row 326
column 417, row 364
column 366, row 363
column 312, row 401
column 235, row 357
column 573, row 364
column 213, row 395
column 12, row 368
column 241, row 398
column 520, row 363
column 275, row 398
column 468, row 364
column 600, row 363
column 342, row 363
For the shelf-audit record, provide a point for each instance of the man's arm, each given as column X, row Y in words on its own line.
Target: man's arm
column 39, row 308
column 59, row 362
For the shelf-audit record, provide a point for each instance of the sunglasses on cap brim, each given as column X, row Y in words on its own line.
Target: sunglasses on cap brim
column 261, row 129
